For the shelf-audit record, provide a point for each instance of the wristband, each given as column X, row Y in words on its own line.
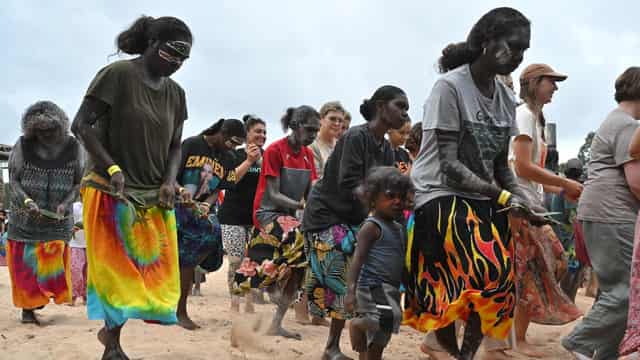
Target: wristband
column 113, row 169
column 504, row 197
column 28, row 201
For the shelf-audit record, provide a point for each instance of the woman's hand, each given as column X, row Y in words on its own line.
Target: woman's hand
column 253, row 153
column 167, row 196
column 117, row 182
column 185, row 195
column 350, row 301
column 61, row 209
column 204, row 208
column 572, row 190
column 33, row 208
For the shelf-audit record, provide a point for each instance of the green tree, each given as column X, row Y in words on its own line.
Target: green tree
column 585, row 150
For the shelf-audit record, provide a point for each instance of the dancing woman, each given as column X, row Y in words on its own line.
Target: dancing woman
column 334, row 213
column 461, row 257
column 130, row 123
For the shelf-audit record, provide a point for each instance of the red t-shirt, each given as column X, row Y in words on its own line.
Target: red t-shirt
column 296, row 172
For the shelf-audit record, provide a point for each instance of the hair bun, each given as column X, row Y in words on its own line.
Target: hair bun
column 365, row 109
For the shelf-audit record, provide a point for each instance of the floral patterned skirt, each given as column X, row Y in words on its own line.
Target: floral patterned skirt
column 329, row 253
column 274, row 253
column 631, row 341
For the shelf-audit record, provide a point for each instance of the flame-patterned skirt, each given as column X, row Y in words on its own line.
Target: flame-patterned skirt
column 460, row 260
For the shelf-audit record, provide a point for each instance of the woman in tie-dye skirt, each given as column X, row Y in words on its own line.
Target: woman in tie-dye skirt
column 45, row 172
column 130, row 122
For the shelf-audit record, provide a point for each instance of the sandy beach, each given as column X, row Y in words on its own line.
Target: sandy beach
column 67, row 334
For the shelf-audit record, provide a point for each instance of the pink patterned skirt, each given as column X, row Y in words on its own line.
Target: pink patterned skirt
column 79, row 272
column 631, row 341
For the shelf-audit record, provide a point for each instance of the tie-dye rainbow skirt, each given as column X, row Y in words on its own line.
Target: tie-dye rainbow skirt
column 132, row 261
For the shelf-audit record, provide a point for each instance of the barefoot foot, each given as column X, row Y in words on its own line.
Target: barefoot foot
column 318, row 321
column 185, row 322
column 335, row 354
column 434, row 354
column 524, row 348
column 358, row 337
column 284, row 333
column 29, row 317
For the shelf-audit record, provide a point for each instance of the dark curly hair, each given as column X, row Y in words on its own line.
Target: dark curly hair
column 42, row 115
column 381, row 179
column 297, row 116
column 492, row 25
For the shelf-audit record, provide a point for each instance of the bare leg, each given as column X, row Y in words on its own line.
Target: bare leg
column 472, row 337
column 284, row 298
column 234, row 264
column 186, row 281
column 375, row 352
column 302, row 311
column 521, row 324
column 358, row 333
column 29, row 317
column 332, row 349
column 448, row 340
column 110, row 338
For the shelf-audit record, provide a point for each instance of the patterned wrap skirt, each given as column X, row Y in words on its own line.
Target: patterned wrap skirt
column 274, row 255
column 132, row 261
column 79, row 272
column 39, row 271
column 198, row 236
column 460, row 259
column 329, row 252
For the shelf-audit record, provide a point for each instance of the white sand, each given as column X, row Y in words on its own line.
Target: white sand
column 67, row 334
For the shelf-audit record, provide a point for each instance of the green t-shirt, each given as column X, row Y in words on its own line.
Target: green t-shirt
column 140, row 124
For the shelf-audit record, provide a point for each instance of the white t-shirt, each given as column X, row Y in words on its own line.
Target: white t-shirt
column 529, row 125
column 77, row 240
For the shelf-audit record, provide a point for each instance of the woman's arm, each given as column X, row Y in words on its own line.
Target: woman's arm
column 16, row 163
column 369, row 233
column 71, row 197
column 168, row 188
column 278, row 198
column 456, row 174
column 253, row 155
column 632, row 175
column 90, row 111
column 634, row 145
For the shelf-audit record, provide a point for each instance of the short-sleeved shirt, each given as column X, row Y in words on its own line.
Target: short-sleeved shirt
column 140, row 124
column 606, row 197
column 321, row 152
column 484, row 125
column 237, row 207
column 204, row 170
column 401, row 159
column 529, row 125
column 296, row 171
column 332, row 199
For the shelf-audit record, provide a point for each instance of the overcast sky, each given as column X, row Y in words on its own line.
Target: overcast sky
column 264, row 56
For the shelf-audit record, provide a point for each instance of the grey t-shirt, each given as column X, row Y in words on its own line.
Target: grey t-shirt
column 485, row 126
column 606, row 197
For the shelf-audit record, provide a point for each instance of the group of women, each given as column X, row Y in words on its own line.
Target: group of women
column 476, row 250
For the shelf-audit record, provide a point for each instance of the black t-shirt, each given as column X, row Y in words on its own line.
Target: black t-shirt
column 402, row 160
column 237, row 207
column 332, row 200
column 205, row 170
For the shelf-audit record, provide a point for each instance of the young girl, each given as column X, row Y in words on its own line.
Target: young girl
column 375, row 273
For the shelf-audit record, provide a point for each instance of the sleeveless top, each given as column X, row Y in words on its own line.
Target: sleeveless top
column 48, row 183
column 386, row 257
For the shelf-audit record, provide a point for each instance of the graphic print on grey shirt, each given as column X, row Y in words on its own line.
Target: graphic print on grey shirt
column 484, row 126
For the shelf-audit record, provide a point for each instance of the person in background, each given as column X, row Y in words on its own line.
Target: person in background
column 608, row 210
column 565, row 230
column 235, row 216
column 346, row 123
column 275, row 258
column 540, row 260
column 207, row 166
column 45, row 169
column 331, row 120
column 414, row 141
column 628, row 96
column 375, row 273
column 3, row 237
column 398, row 139
column 78, row 256
column 130, row 122
column 334, row 213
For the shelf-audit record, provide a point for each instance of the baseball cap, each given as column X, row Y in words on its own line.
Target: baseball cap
column 538, row 70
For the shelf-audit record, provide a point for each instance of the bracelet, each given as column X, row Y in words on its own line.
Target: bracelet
column 504, row 197
column 113, row 169
column 28, row 201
